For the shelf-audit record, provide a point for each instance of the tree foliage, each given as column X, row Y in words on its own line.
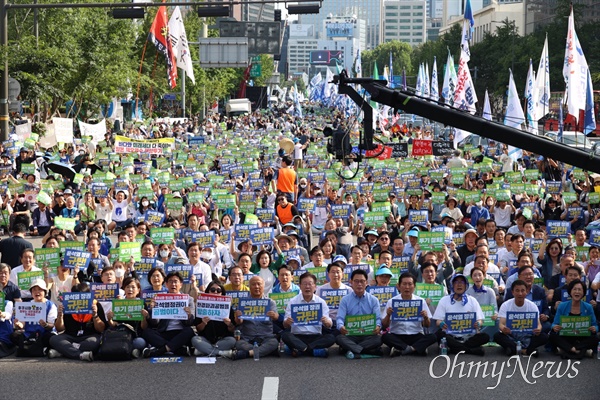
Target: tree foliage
column 401, row 56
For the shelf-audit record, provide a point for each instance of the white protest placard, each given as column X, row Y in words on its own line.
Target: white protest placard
column 63, row 129
column 213, row 306
column 30, row 311
column 170, row 306
column 96, row 131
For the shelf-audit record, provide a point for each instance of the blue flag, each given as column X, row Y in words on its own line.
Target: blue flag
column 589, row 119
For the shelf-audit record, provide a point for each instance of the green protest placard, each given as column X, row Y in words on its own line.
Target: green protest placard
column 360, row 325
column 503, row 195
column 488, row 312
column 282, row 300
column 25, row 278
column 128, row 250
column 162, row 235
column 48, row 256
column 127, row 309
column 375, row 218
column 44, row 198
column 173, row 202
column 431, row 241
column 431, row 291
column 385, row 207
column 71, row 244
column 594, row 197
column 575, row 325
column 196, row 197
column 27, row 169
column 320, row 273
column 224, row 200
column 2, row 302
column 65, row 223
column 438, row 197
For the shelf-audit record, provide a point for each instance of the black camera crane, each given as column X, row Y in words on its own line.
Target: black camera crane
column 408, row 102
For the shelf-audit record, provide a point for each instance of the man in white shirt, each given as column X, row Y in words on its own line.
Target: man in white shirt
column 201, row 271
column 460, row 305
column 506, row 337
column 307, row 338
column 407, row 337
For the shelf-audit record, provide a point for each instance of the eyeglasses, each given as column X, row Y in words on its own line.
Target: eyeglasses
column 279, row 200
column 384, row 238
column 215, row 290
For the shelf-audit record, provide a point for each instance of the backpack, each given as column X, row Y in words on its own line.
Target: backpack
column 116, row 344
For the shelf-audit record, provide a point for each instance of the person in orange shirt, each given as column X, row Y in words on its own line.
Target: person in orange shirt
column 285, row 210
column 287, row 179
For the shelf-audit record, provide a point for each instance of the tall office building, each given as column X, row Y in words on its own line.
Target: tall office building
column 367, row 10
column 404, row 20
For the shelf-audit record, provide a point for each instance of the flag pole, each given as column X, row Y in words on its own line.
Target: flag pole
column 139, row 80
column 152, row 87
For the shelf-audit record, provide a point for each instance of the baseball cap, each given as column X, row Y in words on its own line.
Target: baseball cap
column 384, row 270
column 460, row 276
column 371, row 232
column 340, row 258
column 67, row 191
column 413, row 232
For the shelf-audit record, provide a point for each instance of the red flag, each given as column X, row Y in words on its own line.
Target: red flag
column 245, row 78
column 159, row 35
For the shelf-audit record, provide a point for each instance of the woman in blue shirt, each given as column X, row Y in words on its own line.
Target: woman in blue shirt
column 575, row 346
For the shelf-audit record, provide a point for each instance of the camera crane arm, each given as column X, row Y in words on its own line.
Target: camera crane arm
column 412, row 104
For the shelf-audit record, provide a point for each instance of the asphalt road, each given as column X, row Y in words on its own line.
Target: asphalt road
column 305, row 378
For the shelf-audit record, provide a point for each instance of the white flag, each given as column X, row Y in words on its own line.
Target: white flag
column 514, row 115
column 487, row 109
column 449, row 81
column 575, row 70
column 426, row 81
column 530, row 100
column 435, row 93
column 178, row 39
column 464, row 95
column 542, row 84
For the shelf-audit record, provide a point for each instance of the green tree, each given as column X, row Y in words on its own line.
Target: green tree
column 401, row 56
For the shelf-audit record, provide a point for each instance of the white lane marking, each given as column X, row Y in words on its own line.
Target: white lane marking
column 270, row 388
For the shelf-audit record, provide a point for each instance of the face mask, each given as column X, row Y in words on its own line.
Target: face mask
column 145, row 203
column 164, row 253
column 303, row 186
column 21, row 199
column 206, row 255
column 119, row 273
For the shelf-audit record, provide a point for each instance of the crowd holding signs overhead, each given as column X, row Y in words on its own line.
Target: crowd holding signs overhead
column 230, row 245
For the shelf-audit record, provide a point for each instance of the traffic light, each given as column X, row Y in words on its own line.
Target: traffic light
column 277, row 15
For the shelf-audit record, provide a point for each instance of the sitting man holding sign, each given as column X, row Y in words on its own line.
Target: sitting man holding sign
column 359, row 320
column 255, row 316
column 459, row 317
column 305, row 314
column 406, row 315
column 520, row 322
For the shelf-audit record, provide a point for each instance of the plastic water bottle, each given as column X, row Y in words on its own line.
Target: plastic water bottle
column 237, row 334
column 281, row 346
column 519, row 348
column 443, row 347
column 255, row 350
column 598, row 352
